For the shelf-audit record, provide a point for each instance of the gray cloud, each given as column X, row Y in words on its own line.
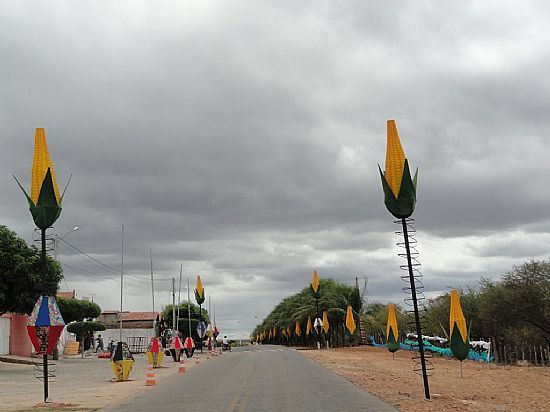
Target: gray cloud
column 242, row 140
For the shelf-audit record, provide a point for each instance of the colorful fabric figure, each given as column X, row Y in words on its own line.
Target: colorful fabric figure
column 392, row 333
column 45, row 325
column 399, row 187
column 155, row 354
column 44, row 201
column 350, row 321
column 460, row 345
column 122, row 362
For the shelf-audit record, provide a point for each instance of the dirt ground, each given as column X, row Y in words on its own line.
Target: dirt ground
column 483, row 387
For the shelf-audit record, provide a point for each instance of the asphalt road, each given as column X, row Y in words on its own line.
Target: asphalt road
column 258, row 378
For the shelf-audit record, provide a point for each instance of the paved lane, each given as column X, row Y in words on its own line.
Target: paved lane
column 266, row 378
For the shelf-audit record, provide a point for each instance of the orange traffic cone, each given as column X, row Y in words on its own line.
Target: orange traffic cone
column 182, row 366
column 150, row 381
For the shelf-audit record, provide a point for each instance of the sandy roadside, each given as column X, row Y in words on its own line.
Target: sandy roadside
column 484, row 387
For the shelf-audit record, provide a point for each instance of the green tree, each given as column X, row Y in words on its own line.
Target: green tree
column 376, row 320
column 183, row 318
column 21, row 282
column 83, row 329
column 74, row 309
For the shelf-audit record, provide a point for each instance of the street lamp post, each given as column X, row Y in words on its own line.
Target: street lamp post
column 56, row 242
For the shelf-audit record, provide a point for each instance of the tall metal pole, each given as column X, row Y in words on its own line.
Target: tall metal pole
column 44, row 285
column 416, row 315
column 189, row 307
column 200, row 320
column 179, row 300
column 121, row 279
column 174, row 304
column 153, row 290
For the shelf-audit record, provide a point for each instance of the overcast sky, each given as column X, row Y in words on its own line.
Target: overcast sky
column 241, row 139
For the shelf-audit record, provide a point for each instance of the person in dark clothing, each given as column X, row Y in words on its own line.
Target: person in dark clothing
column 99, row 344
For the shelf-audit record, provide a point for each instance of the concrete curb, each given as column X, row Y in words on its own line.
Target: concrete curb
column 16, row 359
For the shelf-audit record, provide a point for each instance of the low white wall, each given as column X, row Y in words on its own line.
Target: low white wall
column 4, row 336
column 114, row 334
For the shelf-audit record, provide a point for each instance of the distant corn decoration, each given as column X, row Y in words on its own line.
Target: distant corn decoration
column 44, row 201
column 460, row 345
column 199, row 297
column 314, row 285
column 308, row 327
column 199, row 291
column 392, row 332
column 298, row 329
column 326, row 325
column 400, row 200
column 350, row 321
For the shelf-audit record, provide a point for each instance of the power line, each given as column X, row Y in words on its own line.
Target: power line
column 107, row 266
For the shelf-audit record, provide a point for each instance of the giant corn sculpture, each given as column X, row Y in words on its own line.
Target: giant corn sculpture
column 392, row 332
column 460, row 345
column 400, row 199
column 46, row 322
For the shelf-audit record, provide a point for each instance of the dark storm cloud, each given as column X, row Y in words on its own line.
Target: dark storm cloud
column 242, row 140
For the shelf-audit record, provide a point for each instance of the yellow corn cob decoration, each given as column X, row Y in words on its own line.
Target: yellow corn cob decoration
column 326, row 325
column 460, row 346
column 199, row 285
column 392, row 334
column 395, row 159
column 315, row 282
column 40, row 164
column 456, row 316
column 398, row 185
column 350, row 321
column 44, row 200
column 298, row 329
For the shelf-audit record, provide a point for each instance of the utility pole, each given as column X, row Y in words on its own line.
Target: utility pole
column 121, row 279
column 173, row 303
column 153, row 290
column 179, row 300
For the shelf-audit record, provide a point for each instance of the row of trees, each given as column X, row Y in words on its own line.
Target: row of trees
column 513, row 312
column 335, row 298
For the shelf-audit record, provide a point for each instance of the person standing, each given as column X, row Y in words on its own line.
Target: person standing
column 99, row 344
